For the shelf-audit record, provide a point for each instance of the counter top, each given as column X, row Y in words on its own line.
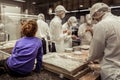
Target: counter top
column 70, row 65
column 8, row 46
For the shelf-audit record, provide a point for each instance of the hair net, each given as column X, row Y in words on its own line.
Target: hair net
column 60, row 8
column 96, row 7
column 41, row 16
column 73, row 20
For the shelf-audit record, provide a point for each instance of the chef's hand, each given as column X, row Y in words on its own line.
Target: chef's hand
column 94, row 66
column 65, row 31
column 68, row 32
column 89, row 29
column 74, row 37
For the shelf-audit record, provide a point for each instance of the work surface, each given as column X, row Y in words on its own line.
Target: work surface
column 69, row 65
column 8, row 46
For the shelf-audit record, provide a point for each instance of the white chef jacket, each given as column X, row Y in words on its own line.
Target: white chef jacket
column 67, row 39
column 43, row 29
column 56, row 33
column 105, row 45
column 84, row 36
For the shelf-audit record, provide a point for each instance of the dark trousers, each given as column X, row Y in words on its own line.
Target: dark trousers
column 5, row 69
column 44, row 46
column 52, row 47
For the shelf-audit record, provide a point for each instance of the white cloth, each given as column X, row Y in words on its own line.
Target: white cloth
column 84, row 36
column 67, row 39
column 56, row 33
column 105, row 45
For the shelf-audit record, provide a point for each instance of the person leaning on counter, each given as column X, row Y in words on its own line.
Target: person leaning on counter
column 26, row 50
column 105, row 44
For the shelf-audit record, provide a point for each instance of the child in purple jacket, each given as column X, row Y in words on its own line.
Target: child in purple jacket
column 26, row 50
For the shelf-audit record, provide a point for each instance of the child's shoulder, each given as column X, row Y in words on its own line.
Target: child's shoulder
column 38, row 39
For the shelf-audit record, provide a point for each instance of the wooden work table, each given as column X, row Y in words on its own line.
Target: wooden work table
column 83, row 72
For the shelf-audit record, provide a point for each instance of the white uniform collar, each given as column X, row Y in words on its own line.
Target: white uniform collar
column 58, row 17
column 106, row 15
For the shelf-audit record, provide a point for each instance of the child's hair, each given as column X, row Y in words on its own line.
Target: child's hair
column 29, row 29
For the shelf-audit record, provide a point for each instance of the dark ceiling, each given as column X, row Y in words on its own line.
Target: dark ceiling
column 38, row 2
column 42, row 6
column 45, row 1
column 51, row 2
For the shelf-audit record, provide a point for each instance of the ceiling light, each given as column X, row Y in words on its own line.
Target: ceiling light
column 16, row 7
column 33, row 2
column 81, row 5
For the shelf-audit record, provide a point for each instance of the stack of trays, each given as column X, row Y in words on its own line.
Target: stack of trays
column 60, row 64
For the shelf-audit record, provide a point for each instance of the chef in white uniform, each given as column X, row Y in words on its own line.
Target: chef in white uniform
column 43, row 31
column 56, row 31
column 105, row 44
column 72, row 21
column 84, row 31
